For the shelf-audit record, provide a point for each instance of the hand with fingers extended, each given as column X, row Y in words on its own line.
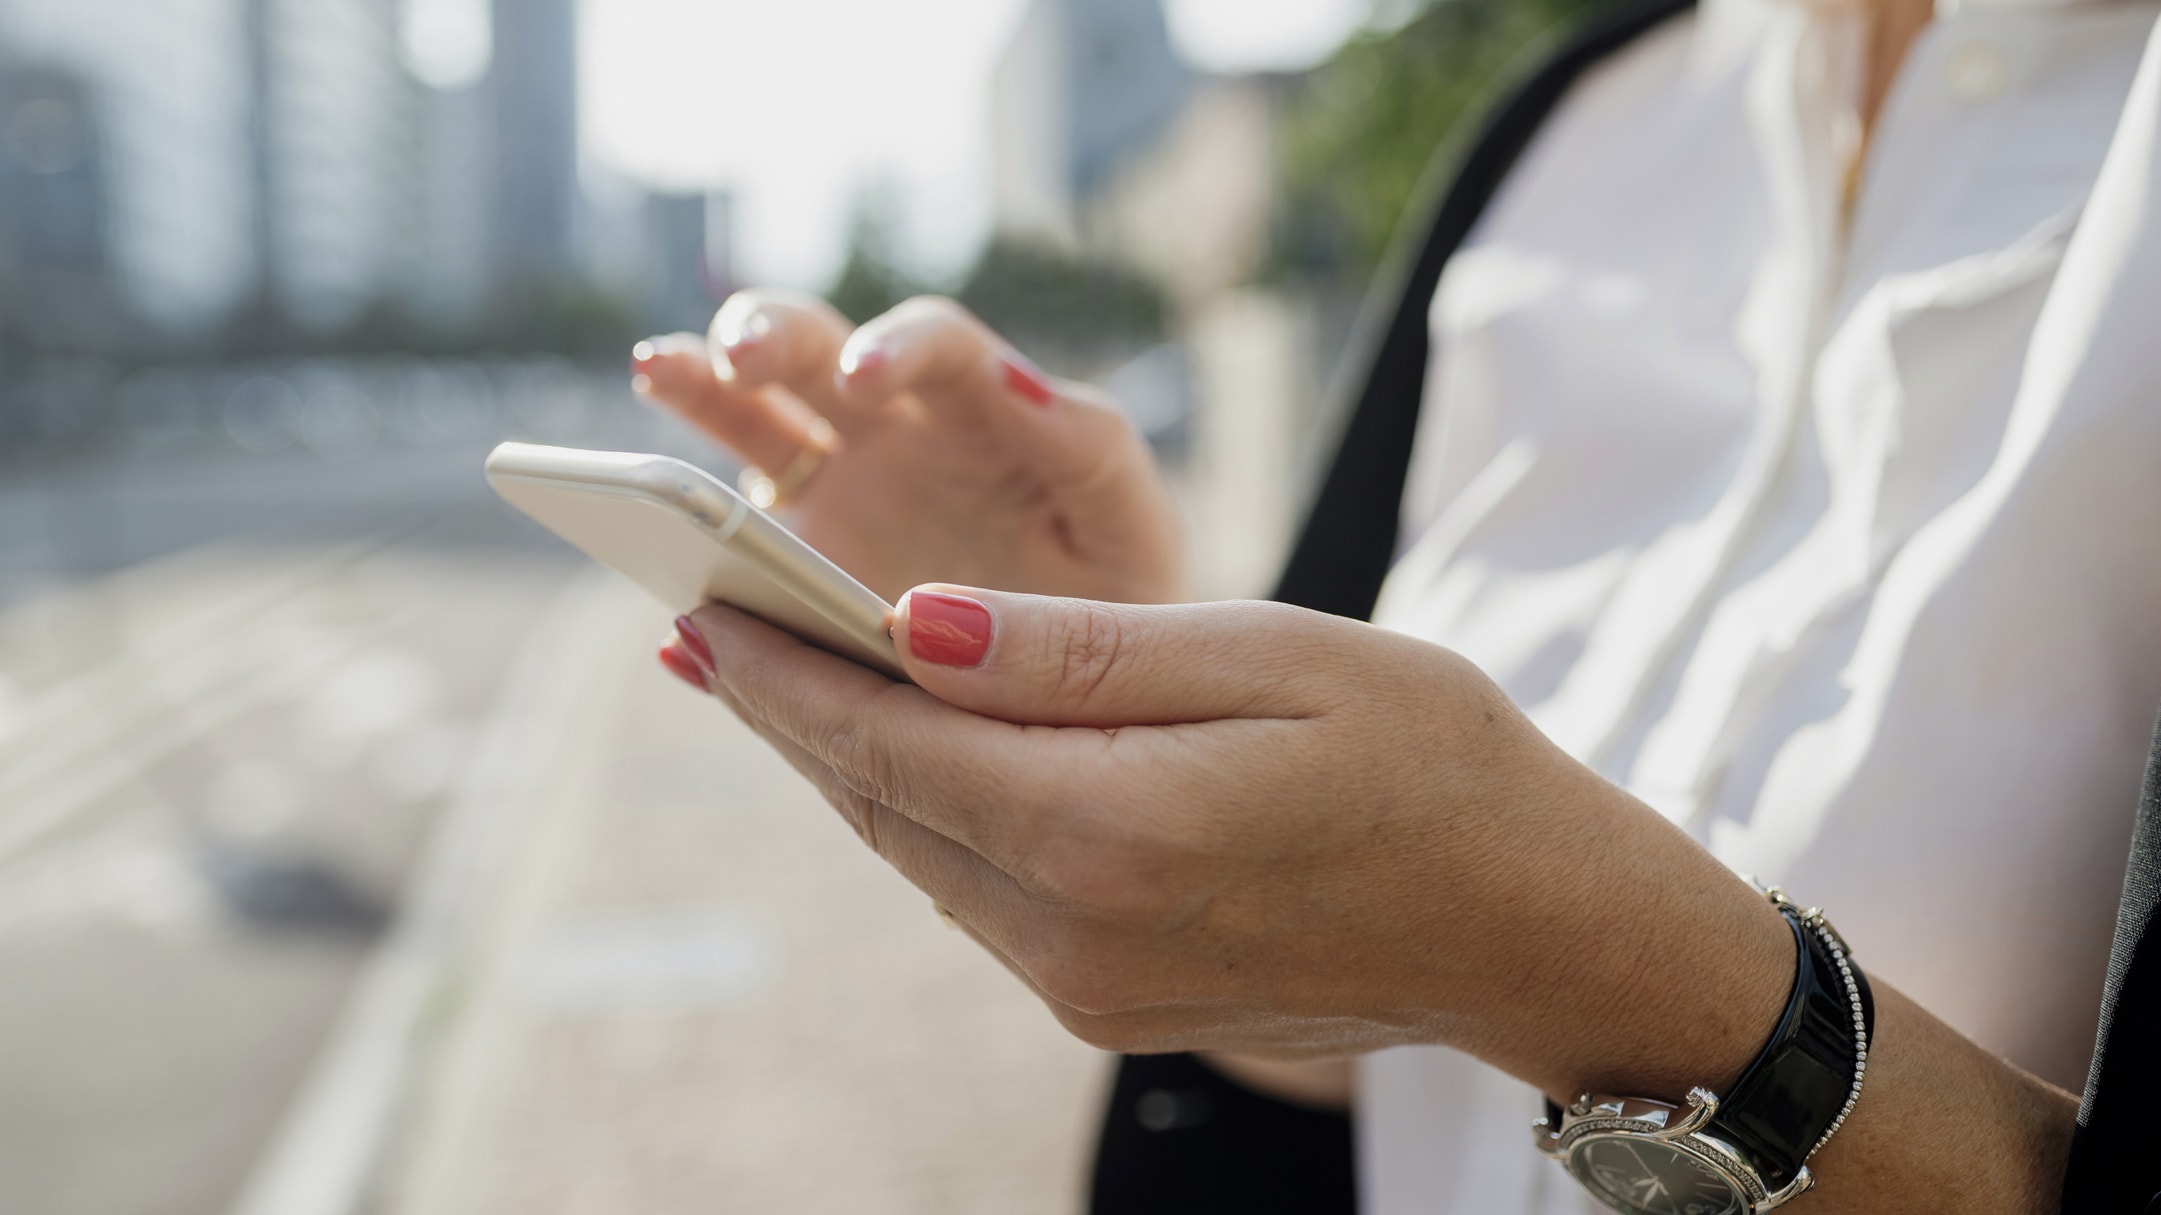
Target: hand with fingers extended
column 922, row 446
column 1248, row 827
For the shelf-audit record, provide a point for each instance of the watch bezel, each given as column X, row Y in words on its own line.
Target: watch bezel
column 1591, row 1120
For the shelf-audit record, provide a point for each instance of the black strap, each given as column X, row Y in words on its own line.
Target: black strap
column 1349, row 539
column 1789, row 1095
column 1796, row 1087
column 2115, row 1166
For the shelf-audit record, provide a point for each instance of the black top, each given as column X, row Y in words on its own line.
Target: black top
column 2116, row 1156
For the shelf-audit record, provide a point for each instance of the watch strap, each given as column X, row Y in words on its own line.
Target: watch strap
column 1800, row 1085
column 1803, row 1082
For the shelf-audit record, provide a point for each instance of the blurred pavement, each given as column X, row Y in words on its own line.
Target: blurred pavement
column 215, row 770
column 369, row 862
column 700, row 993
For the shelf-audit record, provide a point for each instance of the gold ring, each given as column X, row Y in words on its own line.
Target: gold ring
column 766, row 492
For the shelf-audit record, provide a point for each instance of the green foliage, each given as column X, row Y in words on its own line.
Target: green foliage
column 1357, row 142
column 566, row 315
column 871, row 281
column 1058, row 306
column 1043, row 295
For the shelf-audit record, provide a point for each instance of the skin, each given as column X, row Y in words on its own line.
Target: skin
column 1893, row 25
column 1250, row 830
column 941, row 468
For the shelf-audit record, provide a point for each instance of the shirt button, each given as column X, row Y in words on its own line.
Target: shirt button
column 1978, row 73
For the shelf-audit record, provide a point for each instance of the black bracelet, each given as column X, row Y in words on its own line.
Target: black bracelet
column 1804, row 1082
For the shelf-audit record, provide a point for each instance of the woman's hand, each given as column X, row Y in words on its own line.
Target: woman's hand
column 949, row 455
column 1252, row 828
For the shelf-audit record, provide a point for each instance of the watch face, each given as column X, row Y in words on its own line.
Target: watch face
column 1645, row 1177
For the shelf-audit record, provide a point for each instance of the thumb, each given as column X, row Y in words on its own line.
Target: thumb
column 1078, row 662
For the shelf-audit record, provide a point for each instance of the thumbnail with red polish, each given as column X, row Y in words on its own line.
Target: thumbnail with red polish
column 682, row 666
column 950, row 630
column 694, row 641
column 1028, row 380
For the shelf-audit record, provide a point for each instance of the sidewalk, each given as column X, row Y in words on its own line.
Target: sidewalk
column 696, row 992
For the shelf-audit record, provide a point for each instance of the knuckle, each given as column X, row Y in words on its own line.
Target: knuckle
column 1085, row 649
column 1108, row 421
column 1106, row 430
column 1102, row 881
column 737, row 306
column 1101, row 1032
column 862, row 814
column 862, row 765
column 1084, row 983
column 791, row 324
column 864, row 749
column 932, row 309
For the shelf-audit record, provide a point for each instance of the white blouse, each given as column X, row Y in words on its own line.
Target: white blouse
column 1828, row 524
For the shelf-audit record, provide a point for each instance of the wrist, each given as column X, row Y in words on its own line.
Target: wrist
column 1745, row 1146
column 1641, row 966
column 1645, row 966
column 1690, row 990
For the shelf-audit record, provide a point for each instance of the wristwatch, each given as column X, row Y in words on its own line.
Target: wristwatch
column 1745, row 1153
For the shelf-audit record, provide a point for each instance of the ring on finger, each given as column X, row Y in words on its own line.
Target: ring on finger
column 767, row 491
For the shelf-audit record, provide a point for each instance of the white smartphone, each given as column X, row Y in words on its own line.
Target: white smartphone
column 689, row 539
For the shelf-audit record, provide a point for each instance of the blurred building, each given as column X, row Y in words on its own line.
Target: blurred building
column 163, row 88
column 666, row 255
column 452, row 271
column 54, row 255
column 534, row 79
column 1110, row 148
column 166, row 163
column 1081, row 86
column 335, row 148
column 1194, row 212
column 1193, row 209
column 687, row 267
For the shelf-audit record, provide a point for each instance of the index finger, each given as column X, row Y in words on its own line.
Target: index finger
column 973, row 779
column 676, row 371
column 941, row 358
column 780, row 339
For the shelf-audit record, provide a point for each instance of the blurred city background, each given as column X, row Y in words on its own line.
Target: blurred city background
column 354, row 855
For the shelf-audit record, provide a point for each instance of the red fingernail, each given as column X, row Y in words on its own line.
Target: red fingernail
column 950, row 630
column 1028, row 380
column 694, row 641
column 682, row 666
